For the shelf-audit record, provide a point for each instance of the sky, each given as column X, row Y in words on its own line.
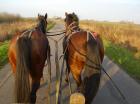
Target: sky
column 101, row 10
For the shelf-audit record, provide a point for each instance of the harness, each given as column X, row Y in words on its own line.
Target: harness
column 39, row 26
column 24, row 34
column 72, row 28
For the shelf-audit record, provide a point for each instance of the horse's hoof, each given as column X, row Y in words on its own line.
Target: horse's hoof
column 77, row 98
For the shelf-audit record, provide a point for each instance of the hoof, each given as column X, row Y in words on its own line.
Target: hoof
column 77, row 98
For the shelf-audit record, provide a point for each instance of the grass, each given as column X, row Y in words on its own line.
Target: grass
column 124, row 58
column 50, row 25
column 121, row 42
column 3, row 53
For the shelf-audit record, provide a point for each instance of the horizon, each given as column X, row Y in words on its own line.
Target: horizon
column 99, row 10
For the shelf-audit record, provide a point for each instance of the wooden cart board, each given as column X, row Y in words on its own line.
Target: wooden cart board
column 77, row 98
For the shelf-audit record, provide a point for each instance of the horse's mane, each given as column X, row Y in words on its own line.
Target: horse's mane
column 75, row 18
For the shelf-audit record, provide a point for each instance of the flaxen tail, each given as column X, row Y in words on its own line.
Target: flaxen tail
column 22, row 83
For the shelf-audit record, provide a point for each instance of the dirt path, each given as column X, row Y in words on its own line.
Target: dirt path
column 106, row 94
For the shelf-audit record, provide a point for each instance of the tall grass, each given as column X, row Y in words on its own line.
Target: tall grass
column 6, row 17
column 11, row 23
column 8, row 29
column 121, row 33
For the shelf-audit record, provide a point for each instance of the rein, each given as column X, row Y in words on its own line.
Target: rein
column 71, row 28
column 59, row 71
column 55, row 33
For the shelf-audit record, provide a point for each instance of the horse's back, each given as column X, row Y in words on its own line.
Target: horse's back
column 78, row 40
column 39, row 47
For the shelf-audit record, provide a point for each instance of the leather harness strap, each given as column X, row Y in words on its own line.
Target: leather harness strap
column 24, row 34
column 74, row 28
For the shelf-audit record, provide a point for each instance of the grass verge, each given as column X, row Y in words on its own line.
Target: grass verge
column 3, row 53
column 50, row 25
column 124, row 58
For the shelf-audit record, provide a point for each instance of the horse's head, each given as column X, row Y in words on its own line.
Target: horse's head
column 42, row 24
column 71, row 19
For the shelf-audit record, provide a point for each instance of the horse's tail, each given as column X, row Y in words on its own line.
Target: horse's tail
column 49, row 75
column 93, row 73
column 22, row 83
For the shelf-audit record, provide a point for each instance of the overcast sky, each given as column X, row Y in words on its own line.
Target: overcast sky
column 109, row 10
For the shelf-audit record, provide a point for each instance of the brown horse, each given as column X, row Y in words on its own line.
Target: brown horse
column 84, row 55
column 27, row 54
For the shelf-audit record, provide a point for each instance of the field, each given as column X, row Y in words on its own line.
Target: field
column 121, row 41
column 7, row 29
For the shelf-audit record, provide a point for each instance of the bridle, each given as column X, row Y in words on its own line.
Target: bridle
column 72, row 28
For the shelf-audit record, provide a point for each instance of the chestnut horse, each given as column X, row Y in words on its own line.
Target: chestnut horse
column 27, row 54
column 84, row 55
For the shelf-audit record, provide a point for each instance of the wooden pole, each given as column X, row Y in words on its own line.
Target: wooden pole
column 57, row 73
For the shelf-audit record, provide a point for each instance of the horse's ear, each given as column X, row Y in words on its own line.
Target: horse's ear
column 38, row 15
column 66, row 13
column 46, row 15
column 73, row 13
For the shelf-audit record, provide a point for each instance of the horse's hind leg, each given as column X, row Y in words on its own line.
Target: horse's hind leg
column 34, row 87
column 12, row 60
column 67, row 67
